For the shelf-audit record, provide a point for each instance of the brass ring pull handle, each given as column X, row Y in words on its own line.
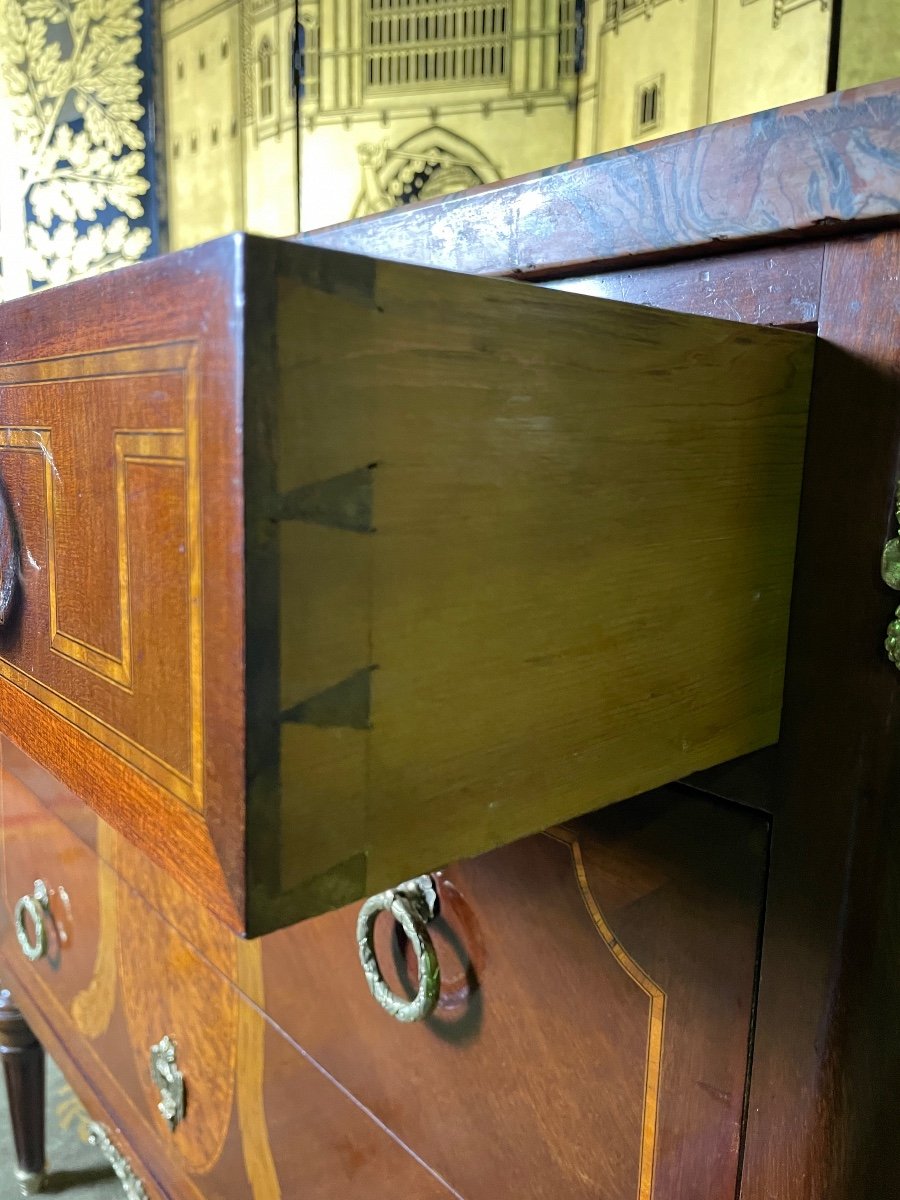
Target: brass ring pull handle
column 412, row 905
column 37, row 907
column 131, row 1185
column 9, row 559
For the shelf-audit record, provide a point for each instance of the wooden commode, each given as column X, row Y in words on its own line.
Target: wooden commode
column 355, row 567
column 446, row 727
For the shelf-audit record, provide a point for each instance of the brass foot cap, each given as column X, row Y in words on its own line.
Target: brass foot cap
column 30, row 1182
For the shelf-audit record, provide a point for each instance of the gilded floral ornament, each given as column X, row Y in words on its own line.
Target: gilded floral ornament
column 71, row 204
column 168, row 1080
column 132, row 1187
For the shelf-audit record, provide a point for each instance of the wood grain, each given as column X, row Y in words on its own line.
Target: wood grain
column 592, row 1033
column 262, row 1119
column 827, row 1060
column 622, row 948
column 556, row 603
column 541, row 1033
column 129, row 642
column 797, row 171
column 31, row 850
column 778, row 285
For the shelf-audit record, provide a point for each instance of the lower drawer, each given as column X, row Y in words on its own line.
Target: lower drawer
column 261, row 1120
column 591, row 1035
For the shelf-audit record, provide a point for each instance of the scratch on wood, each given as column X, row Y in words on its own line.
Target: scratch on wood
column 48, row 457
column 716, row 1093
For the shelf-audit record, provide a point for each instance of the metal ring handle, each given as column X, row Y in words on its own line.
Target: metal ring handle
column 412, row 905
column 37, row 907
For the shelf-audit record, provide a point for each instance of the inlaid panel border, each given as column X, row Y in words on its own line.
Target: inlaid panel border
column 656, row 1016
column 164, row 447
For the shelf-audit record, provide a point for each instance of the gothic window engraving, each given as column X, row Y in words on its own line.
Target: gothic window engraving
column 411, row 43
column 305, row 56
column 434, row 162
column 648, row 105
column 570, row 39
column 265, row 78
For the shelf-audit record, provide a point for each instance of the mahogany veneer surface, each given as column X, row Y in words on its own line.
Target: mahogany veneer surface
column 629, row 959
column 262, row 1120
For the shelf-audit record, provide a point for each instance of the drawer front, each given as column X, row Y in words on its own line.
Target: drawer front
column 102, row 519
column 592, row 1032
column 118, row 671
column 37, row 850
column 261, row 1119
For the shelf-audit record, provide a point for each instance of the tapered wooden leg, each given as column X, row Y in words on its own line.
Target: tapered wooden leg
column 23, row 1066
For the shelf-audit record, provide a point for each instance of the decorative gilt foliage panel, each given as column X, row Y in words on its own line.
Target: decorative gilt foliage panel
column 76, row 175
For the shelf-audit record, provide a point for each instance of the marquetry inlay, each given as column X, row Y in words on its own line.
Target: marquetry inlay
column 656, row 1014
column 87, row 490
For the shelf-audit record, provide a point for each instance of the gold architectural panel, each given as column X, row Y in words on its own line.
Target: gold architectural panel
column 358, row 107
column 364, row 105
column 85, row 651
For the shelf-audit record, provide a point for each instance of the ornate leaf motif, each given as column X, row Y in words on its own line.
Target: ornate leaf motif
column 69, row 177
column 67, row 254
column 16, row 80
column 14, row 26
column 45, row 62
column 50, row 10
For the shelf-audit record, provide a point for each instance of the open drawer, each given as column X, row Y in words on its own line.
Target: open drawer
column 320, row 571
